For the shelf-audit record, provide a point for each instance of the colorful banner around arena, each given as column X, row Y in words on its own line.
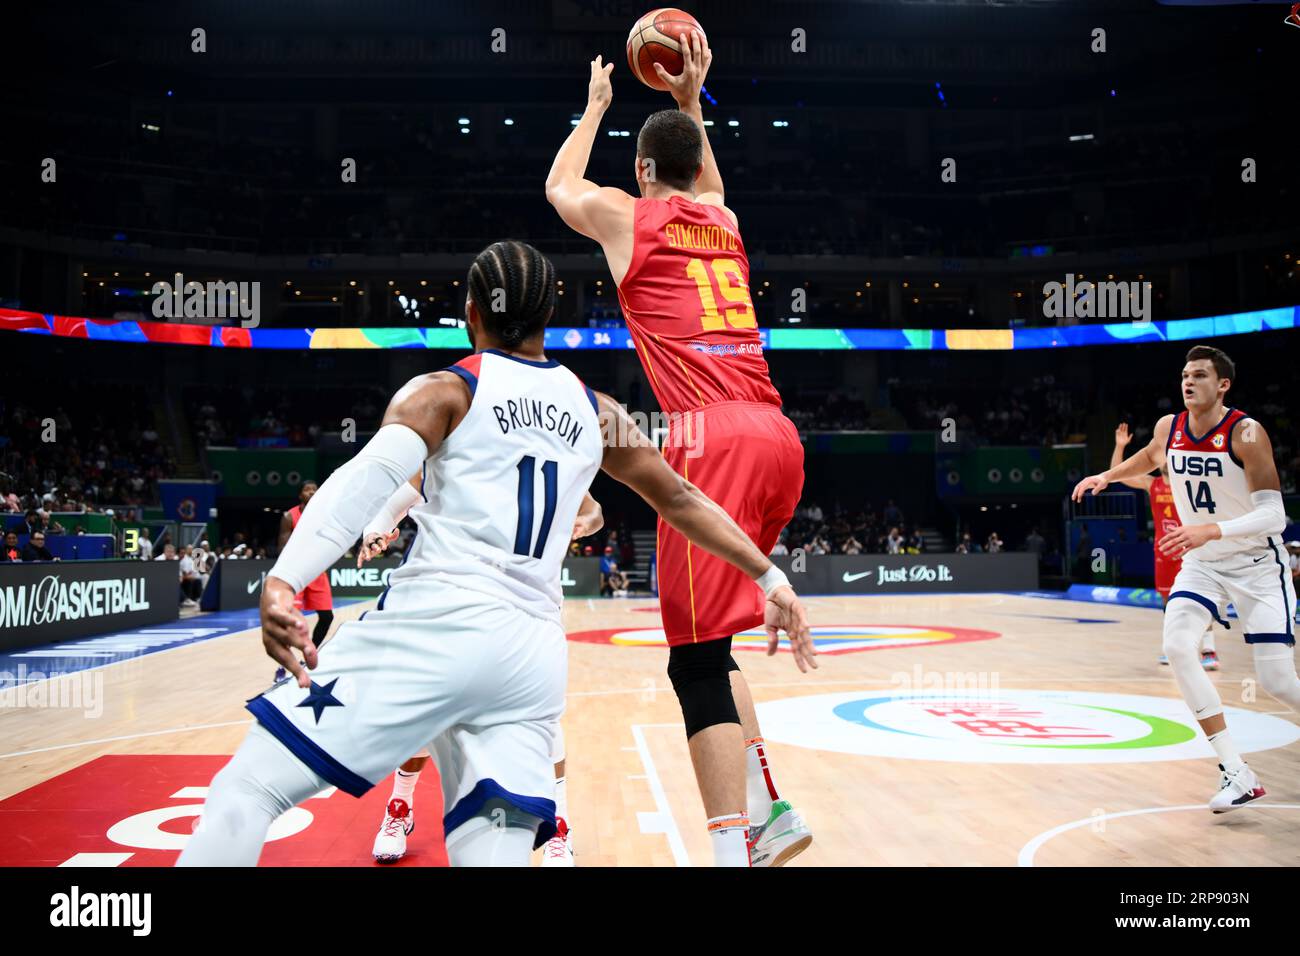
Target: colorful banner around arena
column 562, row 339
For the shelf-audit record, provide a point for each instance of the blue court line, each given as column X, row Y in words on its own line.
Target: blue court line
column 30, row 664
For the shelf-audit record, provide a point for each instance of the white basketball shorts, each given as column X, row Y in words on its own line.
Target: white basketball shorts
column 478, row 681
column 1258, row 585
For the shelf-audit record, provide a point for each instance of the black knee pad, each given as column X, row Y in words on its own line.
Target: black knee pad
column 701, row 676
column 323, row 621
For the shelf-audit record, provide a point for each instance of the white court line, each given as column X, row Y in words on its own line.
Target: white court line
column 1026, row 856
column 97, row 859
column 661, row 820
column 109, row 740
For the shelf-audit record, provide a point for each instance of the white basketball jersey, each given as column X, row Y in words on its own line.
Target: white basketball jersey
column 502, row 491
column 1209, row 483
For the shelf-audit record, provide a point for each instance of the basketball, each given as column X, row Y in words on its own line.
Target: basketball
column 655, row 39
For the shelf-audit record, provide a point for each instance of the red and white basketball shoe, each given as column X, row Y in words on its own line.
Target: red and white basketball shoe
column 558, row 851
column 390, row 842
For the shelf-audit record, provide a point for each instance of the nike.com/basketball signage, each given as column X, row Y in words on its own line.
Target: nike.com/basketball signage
column 42, row 603
column 911, row 573
column 238, row 584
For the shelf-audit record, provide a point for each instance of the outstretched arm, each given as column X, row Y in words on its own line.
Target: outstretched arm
column 419, row 418
column 633, row 459
column 1147, row 460
column 1122, row 438
column 589, row 209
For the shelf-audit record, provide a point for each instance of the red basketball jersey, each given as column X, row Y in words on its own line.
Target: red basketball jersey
column 1164, row 515
column 686, row 301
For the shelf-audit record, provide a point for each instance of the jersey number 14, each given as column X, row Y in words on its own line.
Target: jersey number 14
column 1200, row 499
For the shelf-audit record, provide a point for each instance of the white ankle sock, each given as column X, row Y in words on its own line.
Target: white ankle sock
column 760, row 790
column 561, row 799
column 404, row 786
column 1227, row 751
column 730, row 835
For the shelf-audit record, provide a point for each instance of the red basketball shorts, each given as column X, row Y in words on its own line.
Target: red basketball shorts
column 747, row 457
column 316, row 596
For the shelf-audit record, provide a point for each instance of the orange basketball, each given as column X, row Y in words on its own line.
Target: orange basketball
column 654, row 39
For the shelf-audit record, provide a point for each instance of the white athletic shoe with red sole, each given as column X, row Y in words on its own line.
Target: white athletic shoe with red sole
column 390, row 842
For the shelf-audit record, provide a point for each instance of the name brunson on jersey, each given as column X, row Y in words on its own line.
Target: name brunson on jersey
column 1191, row 465
column 531, row 413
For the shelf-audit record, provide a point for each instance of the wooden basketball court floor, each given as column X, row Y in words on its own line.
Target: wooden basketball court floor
column 1003, row 730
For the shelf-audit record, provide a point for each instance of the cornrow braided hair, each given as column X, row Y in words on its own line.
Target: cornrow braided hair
column 528, row 280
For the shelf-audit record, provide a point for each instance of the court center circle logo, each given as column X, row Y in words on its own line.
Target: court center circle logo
column 829, row 639
column 1010, row 726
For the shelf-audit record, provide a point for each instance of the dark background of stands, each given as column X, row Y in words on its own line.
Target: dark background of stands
column 226, row 164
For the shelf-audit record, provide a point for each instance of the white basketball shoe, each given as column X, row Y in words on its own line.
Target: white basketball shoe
column 1236, row 789
column 779, row 839
column 390, row 842
column 558, row 850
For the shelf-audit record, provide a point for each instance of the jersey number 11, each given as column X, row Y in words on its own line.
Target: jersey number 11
column 524, row 529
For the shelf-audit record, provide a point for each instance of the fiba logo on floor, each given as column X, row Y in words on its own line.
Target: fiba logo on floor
column 1010, row 726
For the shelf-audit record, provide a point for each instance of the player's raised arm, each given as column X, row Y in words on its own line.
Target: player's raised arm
column 1252, row 445
column 419, row 417
column 632, row 458
column 685, row 89
column 591, row 210
column 1122, row 438
column 1147, row 460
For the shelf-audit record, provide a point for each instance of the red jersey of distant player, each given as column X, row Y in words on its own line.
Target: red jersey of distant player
column 1164, row 517
column 687, row 304
column 316, row 596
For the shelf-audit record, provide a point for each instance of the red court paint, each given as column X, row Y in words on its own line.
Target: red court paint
column 132, row 798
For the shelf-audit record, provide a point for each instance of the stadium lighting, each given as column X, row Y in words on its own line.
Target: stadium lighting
column 733, row 122
column 463, row 121
column 780, row 123
column 508, row 121
column 1081, row 137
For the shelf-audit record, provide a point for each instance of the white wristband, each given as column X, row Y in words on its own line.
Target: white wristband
column 771, row 579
